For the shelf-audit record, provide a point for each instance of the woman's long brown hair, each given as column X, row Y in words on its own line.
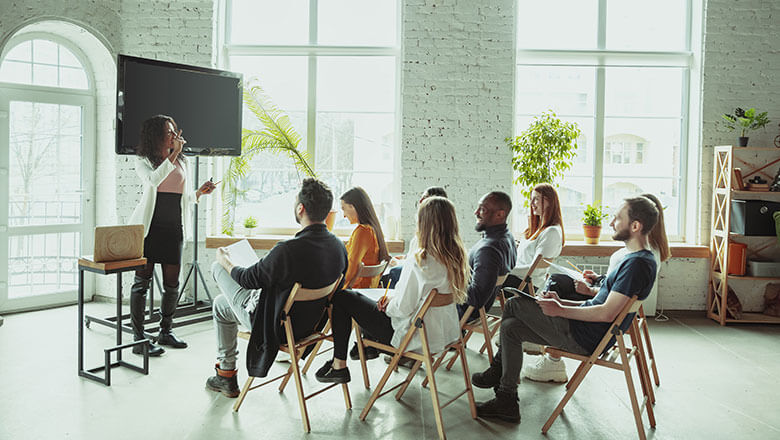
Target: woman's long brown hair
column 358, row 197
column 438, row 238
column 552, row 213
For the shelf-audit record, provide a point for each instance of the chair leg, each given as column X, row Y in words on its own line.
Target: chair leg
column 436, row 366
column 408, row 380
column 467, row 379
column 362, row 353
column 244, row 390
column 631, row 391
column 466, row 338
column 574, row 382
column 296, row 373
column 486, row 334
column 286, row 379
column 432, row 383
column 380, row 385
column 650, row 353
column 347, row 398
column 641, row 363
column 315, row 351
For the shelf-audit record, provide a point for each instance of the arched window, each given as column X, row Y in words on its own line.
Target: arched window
column 47, row 149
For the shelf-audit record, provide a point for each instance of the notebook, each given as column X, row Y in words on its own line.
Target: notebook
column 117, row 243
column 242, row 254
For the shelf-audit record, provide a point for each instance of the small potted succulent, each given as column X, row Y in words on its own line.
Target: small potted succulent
column 591, row 222
column 250, row 223
column 745, row 120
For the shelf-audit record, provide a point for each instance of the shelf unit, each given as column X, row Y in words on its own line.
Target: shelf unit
column 726, row 159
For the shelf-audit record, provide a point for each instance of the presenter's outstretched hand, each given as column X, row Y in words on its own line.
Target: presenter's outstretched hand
column 207, row 188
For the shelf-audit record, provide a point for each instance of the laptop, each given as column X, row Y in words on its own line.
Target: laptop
column 116, row 243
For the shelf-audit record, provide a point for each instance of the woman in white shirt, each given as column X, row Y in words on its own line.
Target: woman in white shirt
column 164, row 212
column 438, row 262
column 544, row 236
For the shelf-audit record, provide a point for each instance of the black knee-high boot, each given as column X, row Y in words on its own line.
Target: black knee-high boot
column 170, row 298
column 138, row 304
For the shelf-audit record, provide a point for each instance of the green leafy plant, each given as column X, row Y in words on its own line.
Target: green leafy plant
column 277, row 135
column 745, row 120
column 593, row 214
column 543, row 151
column 250, row 222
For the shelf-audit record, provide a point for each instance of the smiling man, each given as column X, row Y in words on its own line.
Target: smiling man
column 493, row 255
column 574, row 326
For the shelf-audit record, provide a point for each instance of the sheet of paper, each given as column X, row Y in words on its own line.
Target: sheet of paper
column 374, row 294
column 573, row 274
column 242, row 254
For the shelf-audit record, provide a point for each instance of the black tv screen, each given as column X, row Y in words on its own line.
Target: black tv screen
column 206, row 104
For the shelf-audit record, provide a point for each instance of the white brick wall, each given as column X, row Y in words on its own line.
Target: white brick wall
column 457, row 103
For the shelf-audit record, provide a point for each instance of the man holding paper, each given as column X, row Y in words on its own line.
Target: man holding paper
column 255, row 291
column 570, row 325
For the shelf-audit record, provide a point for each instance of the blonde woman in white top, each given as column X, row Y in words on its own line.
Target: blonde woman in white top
column 544, row 235
column 439, row 262
column 164, row 212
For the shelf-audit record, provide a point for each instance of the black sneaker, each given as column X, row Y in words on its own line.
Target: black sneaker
column 154, row 350
column 503, row 407
column 327, row 374
column 404, row 362
column 225, row 382
column 369, row 352
column 169, row 339
column 489, row 378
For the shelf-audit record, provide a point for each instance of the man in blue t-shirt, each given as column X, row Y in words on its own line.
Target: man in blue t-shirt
column 574, row 326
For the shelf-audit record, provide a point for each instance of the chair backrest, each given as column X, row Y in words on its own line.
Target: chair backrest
column 369, row 272
column 527, row 277
column 501, row 280
column 299, row 293
column 434, row 299
column 614, row 330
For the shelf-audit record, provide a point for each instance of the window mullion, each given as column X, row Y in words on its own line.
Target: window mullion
column 598, row 142
column 311, row 106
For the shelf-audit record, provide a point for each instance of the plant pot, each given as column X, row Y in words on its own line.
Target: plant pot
column 743, row 141
column 330, row 220
column 250, row 231
column 592, row 234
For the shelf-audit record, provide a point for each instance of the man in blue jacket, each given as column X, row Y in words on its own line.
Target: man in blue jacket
column 254, row 296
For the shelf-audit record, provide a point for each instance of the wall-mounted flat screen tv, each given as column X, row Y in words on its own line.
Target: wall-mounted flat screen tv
column 206, row 104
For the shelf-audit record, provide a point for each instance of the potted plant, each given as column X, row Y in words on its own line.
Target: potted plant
column 276, row 135
column 591, row 222
column 745, row 120
column 543, row 151
column 250, row 223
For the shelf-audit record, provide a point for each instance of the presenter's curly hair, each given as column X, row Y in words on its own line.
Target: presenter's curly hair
column 153, row 132
column 316, row 198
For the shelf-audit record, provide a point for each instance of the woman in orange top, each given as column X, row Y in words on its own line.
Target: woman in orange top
column 367, row 243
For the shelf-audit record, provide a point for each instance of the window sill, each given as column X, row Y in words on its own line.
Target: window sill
column 268, row 241
column 607, row 248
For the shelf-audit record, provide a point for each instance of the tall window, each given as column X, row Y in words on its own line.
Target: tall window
column 47, row 150
column 332, row 66
column 619, row 69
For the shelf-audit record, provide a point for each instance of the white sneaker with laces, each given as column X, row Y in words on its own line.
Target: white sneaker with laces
column 546, row 370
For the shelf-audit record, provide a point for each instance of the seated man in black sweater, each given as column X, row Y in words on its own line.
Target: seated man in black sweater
column 254, row 296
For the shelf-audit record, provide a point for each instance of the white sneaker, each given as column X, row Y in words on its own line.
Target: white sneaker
column 546, row 370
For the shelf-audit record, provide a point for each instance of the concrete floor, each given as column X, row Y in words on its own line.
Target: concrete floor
column 715, row 383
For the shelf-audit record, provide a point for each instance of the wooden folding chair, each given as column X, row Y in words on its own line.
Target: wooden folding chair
column 296, row 348
column 434, row 299
column 363, row 272
column 607, row 358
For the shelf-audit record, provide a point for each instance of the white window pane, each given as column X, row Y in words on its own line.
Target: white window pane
column 283, row 78
column 565, row 90
column 73, row 78
column 646, row 159
column 646, row 25
column 45, row 179
column 21, row 52
column 357, row 84
column 660, row 93
column 557, row 24
column 44, row 75
column 42, row 264
column 357, row 22
column 16, row 72
column 269, row 22
column 45, row 51
column 68, row 59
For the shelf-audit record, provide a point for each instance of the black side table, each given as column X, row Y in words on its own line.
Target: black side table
column 117, row 267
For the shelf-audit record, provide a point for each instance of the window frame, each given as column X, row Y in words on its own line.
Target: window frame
column 601, row 59
column 312, row 51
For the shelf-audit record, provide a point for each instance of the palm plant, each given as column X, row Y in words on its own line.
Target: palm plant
column 277, row 135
